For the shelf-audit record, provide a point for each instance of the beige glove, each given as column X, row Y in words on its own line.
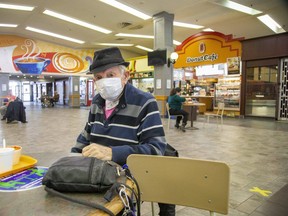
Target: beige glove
column 97, row 151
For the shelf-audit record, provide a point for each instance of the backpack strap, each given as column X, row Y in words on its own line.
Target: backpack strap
column 79, row 201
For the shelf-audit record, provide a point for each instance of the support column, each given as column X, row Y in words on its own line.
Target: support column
column 4, row 86
column 74, row 89
column 163, row 75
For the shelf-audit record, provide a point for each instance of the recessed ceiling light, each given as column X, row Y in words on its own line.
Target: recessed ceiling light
column 113, row 44
column 144, row 48
column 16, row 7
column 126, row 8
column 238, row 7
column 8, row 25
column 187, row 25
column 77, row 22
column 135, row 35
column 54, row 35
column 272, row 24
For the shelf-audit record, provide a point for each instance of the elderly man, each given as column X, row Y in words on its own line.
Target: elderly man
column 123, row 120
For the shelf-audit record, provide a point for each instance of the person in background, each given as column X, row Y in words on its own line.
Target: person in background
column 54, row 99
column 123, row 120
column 7, row 99
column 175, row 104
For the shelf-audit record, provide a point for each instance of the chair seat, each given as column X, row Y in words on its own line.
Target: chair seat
column 212, row 114
column 219, row 114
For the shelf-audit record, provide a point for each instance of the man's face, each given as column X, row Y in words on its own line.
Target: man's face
column 112, row 72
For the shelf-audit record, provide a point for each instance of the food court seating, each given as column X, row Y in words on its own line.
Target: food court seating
column 218, row 115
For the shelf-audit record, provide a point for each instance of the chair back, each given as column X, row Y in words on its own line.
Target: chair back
column 182, row 181
column 221, row 107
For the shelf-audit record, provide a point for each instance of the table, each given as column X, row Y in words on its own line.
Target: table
column 39, row 202
column 191, row 108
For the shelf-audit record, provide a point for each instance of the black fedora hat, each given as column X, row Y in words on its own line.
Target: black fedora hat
column 106, row 58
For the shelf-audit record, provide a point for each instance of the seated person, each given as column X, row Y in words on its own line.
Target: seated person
column 175, row 104
column 54, row 99
column 3, row 109
column 123, row 120
column 16, row 111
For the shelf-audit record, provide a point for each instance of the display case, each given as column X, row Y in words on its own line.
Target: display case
column 142, row 75
column 228, row 91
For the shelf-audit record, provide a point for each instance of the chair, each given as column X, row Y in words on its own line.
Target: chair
column 170, row 116
column 187, row 182
column 218, row 115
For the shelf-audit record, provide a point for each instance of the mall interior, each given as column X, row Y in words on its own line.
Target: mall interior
column 249, row 75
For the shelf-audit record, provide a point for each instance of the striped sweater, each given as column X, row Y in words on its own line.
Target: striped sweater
column 134, row 127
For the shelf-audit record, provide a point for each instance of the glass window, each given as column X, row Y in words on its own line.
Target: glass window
column 261, row 94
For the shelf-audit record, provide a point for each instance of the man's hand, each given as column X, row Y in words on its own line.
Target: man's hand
column 97, row 151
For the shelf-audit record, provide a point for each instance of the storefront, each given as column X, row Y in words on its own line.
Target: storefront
column 141, row 75
column 209, row 70
column 265, row 72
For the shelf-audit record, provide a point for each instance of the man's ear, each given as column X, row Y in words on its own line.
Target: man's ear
column 127, row 75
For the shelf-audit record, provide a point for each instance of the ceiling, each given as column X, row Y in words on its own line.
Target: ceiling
column 201, row 12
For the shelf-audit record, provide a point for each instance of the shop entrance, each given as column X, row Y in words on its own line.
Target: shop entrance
column 261, row 91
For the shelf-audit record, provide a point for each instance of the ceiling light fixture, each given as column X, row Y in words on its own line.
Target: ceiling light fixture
column 208, row 30
column 54, row 35
column 135, row 35
column 142, row 36
column 187, row 25
column 126, row 8
column 172, row 59
column 113, row 44
column 144, row 48
column 8, row 25
column 272, row 24
column 77, row 22
column 16, row 7
column 238, row 7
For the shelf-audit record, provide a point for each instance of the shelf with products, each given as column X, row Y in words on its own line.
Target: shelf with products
column 227, row 90
column 141, row 75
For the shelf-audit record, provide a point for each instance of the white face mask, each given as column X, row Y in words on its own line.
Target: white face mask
column 109, row 88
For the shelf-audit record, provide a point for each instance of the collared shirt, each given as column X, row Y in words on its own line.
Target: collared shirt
column 134, row 127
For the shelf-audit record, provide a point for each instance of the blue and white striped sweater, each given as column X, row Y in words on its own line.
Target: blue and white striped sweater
column 134, row 127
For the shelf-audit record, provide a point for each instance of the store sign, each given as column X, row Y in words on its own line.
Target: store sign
column 139, row 64
column 211, row 58
column 207, row 48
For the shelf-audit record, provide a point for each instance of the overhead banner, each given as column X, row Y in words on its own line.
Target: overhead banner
column 207, row 48
column 29, row 56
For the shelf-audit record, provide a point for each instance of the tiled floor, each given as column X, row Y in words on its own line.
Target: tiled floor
column 255, row 149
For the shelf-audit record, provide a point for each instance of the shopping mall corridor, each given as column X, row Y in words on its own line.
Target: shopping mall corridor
column 256, row 151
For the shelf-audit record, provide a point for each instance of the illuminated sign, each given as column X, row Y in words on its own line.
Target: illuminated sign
column 212, row 57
